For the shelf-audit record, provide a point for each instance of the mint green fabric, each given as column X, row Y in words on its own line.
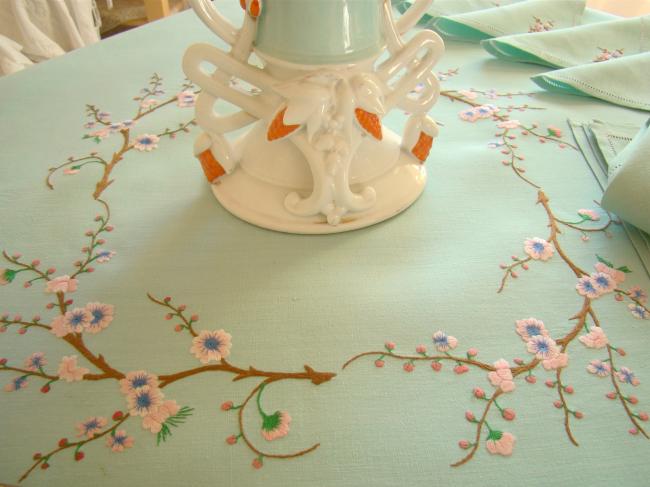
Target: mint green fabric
column 629, row 182
column 439, row 8
column 290, row 301
column 601, row 143
column 528, row 16
column 623, row 81
column 577, row 45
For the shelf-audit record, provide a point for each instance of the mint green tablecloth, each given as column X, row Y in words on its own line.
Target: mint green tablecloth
column 290, row 301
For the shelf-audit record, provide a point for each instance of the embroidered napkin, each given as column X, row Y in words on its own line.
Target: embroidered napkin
column 520, row 17
column 450, row 7
column 623, row 81
column 602, row 145
column 584, row 44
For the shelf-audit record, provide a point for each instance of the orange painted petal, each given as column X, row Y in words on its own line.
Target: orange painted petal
column 369, row 122
column 423, row 146
column 278, row 129
column 255, row 9
column 243, row 4
column 211, row 167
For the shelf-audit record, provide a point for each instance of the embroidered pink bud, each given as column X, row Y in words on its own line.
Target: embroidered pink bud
column 469, row 416
column 549, row 383
column 257, row 464
column 167, row 299
column 109, row 228
column 578, row 415
column 478, row 393
column 619, row 297
column 379, row 363
column 508, row 414
column 51, row 270
column 525, row 267
column 182, row 307
column 502, row 265
column 437, row 366
column 610, row 395
column 524, row 132
column 18, row 318
column 89, row 233
column 621, row 352
column 79, row 456
column 37, row 456
column 632, row 399
column 584, row 238
column 36, row 318
column 85, row 249
column 169, row 316
column 643, row 416
column 17, row 255
column 194, row 318
column 22, row 331
column 3, row 329
column 568, row 390
column 77, row 263
column 461, row 369
column 557, row 404
column 542, row 141
column 231, row 440
column 464, row 444
column 472, row 352
column 514, row 275
column 27, row 284
column 63, row 442
column 531, row 379
column 117, row 415
column 36, row 263
column 3, row 361
column 514, row 257
column 90, row 269
column 227, row 406
column 421, row 349
column 390, row 345
column 49, row 305
column 101, row 241
column 633, row 431
column 178, row 328
column 518, row 361
column 45, row 389
column 408, row 367
column 68, row 302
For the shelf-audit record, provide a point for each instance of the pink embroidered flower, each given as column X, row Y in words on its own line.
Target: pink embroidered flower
column 618, row 276
column 77, row 319
column 102, row 315
column 100, row 134
column 137, row 380
column 185, row 99
column 71, row 171
column 543, row 347
column 502, row 376
column 155, row 419
column 484, row 111
column 211, row 345
column 588, row 214
column 148, row 103
column 91, row 426
column 587, row 288
column 509, row 124
column 596, row 338
column 469, row 115
column 627, row 376
column 444, row 342
column 599, row 368
column 557, row 362
column 556, row 132
column 604, row 283
column 16, row 384
column 35, row 361
column 115, row 127
column 469, row 94
column 276, row 425
column 69, row 371
column 63, row 284
column 119, row 441
column 530, row 328
column 58, row 326
column 103, row 256
column 639, row 312
column 146, row 142
column 538, row 248
column 499, row 443
column 639, row 294
column 144, row 401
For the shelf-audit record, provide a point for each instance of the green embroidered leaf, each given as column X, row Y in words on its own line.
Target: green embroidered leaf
column 269, row 423
column 606, row 262
column 625, row 269
column 9, row 275
column 175, row 421
column 495, row 435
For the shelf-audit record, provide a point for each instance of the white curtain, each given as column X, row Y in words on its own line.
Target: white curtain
column 36, row 30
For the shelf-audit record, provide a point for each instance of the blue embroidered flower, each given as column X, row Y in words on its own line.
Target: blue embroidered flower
column 543, row 347
column 144, row 401
column 530, row 328
column 444, row 342
column 35, row 361
column 17, row 384
column 627, row 376
column 599, row 368
column 639, row 312
column 91, row 426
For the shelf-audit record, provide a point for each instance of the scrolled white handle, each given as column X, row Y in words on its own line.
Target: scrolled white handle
column 412, row 16
column 216, row 22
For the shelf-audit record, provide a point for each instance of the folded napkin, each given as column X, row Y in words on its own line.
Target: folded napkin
column 623, row 81
column 629, row 181
column 602, row 145
column 517, row 18
column 440, row 8
column 576, row 45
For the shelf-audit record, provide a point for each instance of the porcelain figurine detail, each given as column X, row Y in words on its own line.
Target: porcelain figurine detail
column 314, row 156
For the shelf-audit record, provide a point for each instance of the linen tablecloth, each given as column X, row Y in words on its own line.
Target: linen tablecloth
column 494, row 333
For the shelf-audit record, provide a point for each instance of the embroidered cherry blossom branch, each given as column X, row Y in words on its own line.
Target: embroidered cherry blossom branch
column 428, row 358
column 177, row 311
column 561, row 389
column 93, row 158
column 479, row 428
column 509, row 270
column 8, row 275
column 43, row 460
column 91, row 255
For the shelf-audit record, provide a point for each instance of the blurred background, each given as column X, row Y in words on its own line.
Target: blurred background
column 32, row 31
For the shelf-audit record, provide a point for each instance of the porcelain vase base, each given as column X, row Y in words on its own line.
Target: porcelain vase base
column 263, row 204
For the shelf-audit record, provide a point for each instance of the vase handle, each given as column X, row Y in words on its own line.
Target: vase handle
column 412, row 16
column 216, row 22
